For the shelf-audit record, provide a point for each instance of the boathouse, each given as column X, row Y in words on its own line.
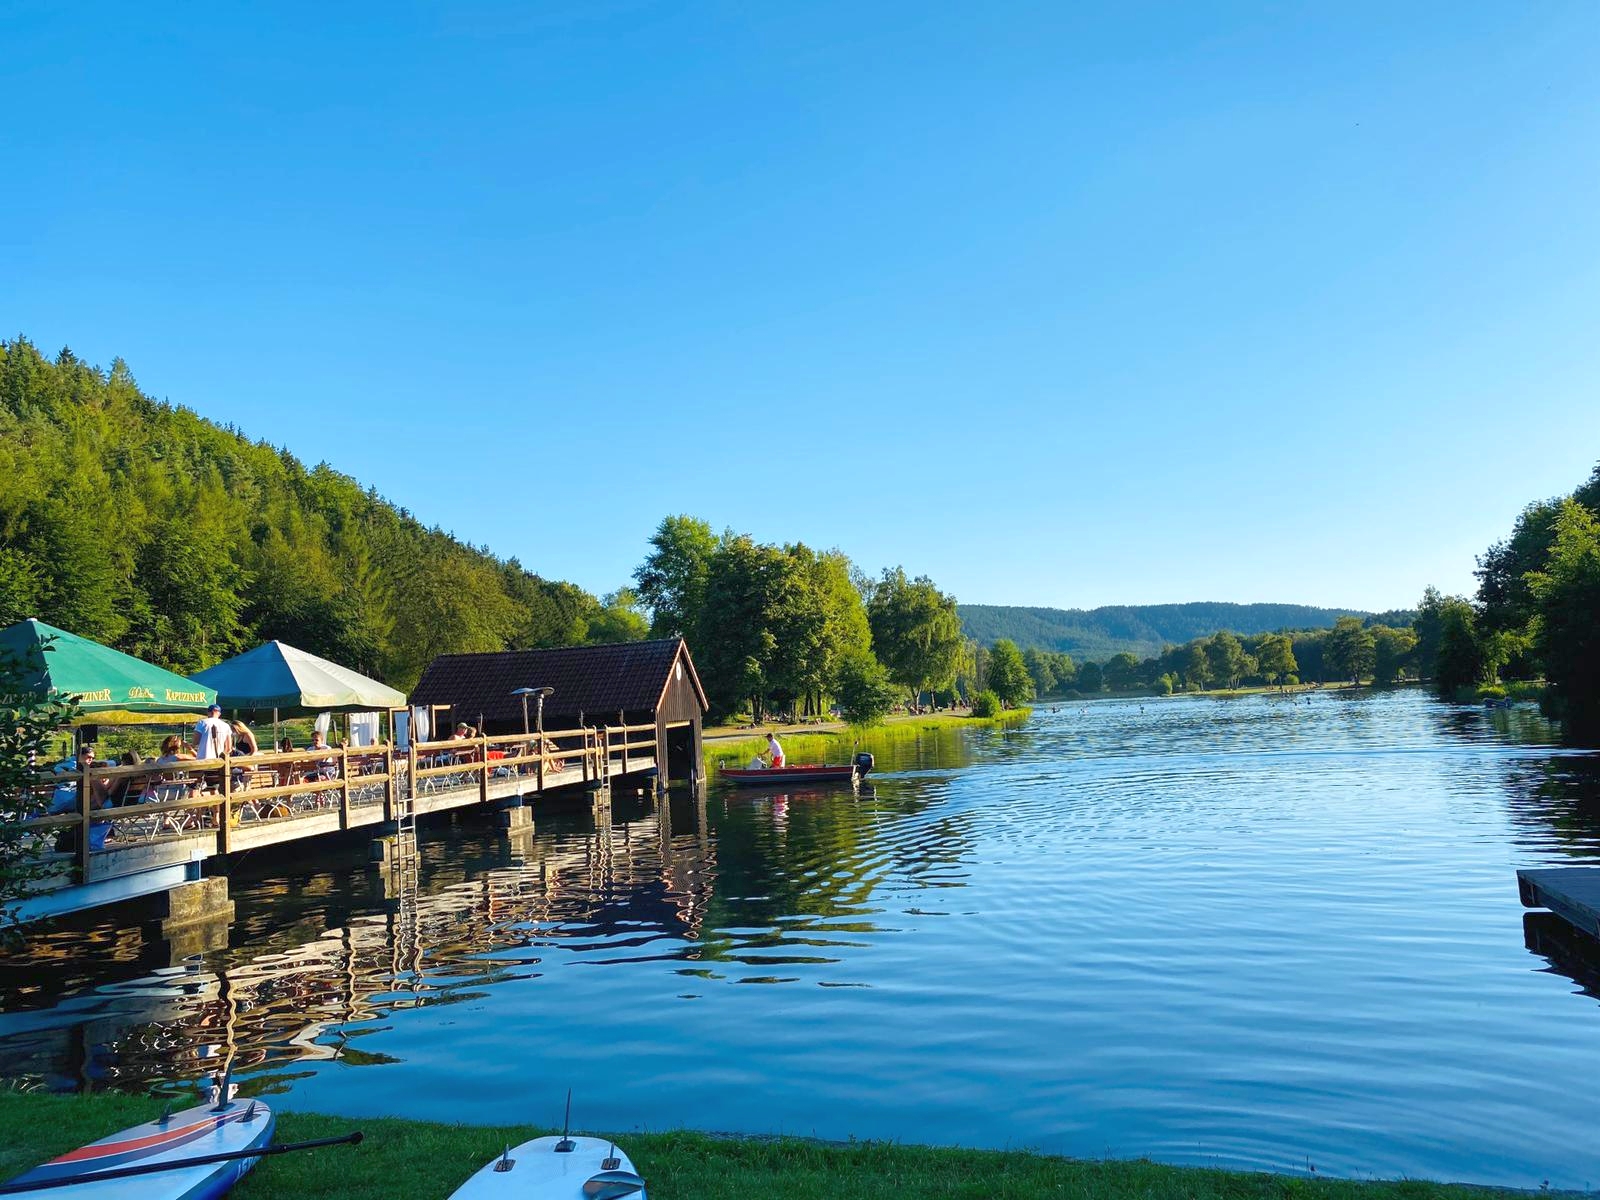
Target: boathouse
column 627, row 683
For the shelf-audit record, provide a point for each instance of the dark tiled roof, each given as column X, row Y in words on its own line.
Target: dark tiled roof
column 597, row 680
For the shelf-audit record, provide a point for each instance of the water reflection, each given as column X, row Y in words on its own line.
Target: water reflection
column 1256, row 932
column 323, row 953
column 1568, row 952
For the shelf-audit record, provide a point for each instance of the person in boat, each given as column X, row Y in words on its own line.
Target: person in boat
column 774, row 751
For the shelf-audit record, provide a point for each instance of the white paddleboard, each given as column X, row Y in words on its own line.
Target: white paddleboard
column 187, row 1134
column 538, row 1171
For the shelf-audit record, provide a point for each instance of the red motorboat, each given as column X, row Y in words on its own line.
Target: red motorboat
column 850, row 772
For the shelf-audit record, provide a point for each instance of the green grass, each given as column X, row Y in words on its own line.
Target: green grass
column 837, row 745
column 414, row 1160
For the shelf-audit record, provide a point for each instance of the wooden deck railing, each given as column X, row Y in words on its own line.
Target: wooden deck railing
column 221, row 797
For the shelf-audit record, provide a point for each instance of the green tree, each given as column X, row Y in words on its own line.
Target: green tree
column 1392, row 651
column 1275, row 657
column 1428, row 626
column 1090, row 679
column 188, row 616
column 1459, row 663
column 20, row 586
column 1008, row 675
column 1350, row 650
column 844, row 632
column 863, row 688
column 916, row 632
column 1567, row 616
column 1121, row 672
column 1225, row 655
column 1041, row 669
column 1063, row 668
column 1196, row 666
column 618, row 619
column 28, row 722
column 1505, row 601
column 672, row 578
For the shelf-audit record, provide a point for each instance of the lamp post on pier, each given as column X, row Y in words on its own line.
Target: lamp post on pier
column 522, row 693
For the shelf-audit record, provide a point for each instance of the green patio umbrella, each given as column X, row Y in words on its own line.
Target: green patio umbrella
column 102, row 679
column 277, row 676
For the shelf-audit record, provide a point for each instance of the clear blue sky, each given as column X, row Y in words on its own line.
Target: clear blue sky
column 1060, row 304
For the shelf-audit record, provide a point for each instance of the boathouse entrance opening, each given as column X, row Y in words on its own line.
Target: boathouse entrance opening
column 679, row 761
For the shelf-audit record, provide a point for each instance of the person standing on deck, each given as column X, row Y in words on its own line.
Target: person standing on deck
column 774, row 750
column 213, row 737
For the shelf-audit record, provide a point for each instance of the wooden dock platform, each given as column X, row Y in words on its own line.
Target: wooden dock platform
column 1572, row 893
column 209, row 812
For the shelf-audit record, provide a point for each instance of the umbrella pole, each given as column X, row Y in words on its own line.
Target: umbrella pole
column 277, row 740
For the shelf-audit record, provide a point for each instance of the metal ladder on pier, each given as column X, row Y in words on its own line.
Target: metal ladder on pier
column 406, row 878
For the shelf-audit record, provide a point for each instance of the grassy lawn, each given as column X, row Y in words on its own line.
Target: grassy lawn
column 413, row 1160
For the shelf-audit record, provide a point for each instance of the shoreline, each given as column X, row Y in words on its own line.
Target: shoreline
column 800, row 742
column 403, row 1159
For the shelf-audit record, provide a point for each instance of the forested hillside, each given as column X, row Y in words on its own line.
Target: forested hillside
column 145, row 526
column 1140, row 630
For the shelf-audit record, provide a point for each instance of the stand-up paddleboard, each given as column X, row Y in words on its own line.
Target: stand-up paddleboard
column 234, row 1127
column 557, row 1168
column 590, row 1169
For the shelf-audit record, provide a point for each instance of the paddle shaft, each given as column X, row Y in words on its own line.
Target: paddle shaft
column 177, row 1164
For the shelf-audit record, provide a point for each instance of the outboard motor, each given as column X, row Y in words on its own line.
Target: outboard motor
column 864, row 764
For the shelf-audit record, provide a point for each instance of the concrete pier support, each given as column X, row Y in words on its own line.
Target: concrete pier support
column 189, row 919
column 517, row 818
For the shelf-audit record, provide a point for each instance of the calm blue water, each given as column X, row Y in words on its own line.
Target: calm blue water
column 1249, row 933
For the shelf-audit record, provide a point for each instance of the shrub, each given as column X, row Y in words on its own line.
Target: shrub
column 1291, row 680
column 1164, row 685
column 862, row 689
column 986, row 704
column 1491, row 691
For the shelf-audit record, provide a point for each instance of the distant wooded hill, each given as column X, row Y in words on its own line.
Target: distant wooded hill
column 1141, row 630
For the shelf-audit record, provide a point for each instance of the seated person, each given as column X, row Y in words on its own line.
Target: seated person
column 244, row 745
column 325, row 768
column 174, row 750
column 126, row 789
column 65, row 801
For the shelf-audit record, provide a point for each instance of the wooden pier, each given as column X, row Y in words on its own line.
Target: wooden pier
column 198, row 810
column 1572, row 893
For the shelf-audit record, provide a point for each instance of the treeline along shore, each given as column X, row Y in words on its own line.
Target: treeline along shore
column 146, row 527
column 1533, row 627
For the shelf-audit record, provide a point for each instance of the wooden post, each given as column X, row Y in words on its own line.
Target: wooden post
column 344, row 787
column 483, row 767
column 411, row 773
column 388, row 783
column 622, row 720
column 586, row 756
column 225, row 824
column 85, row 793
column 605, row 757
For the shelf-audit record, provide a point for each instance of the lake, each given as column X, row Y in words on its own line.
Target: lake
column 1255, row 933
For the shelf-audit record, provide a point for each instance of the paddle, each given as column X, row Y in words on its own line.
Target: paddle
column 352, row 1139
